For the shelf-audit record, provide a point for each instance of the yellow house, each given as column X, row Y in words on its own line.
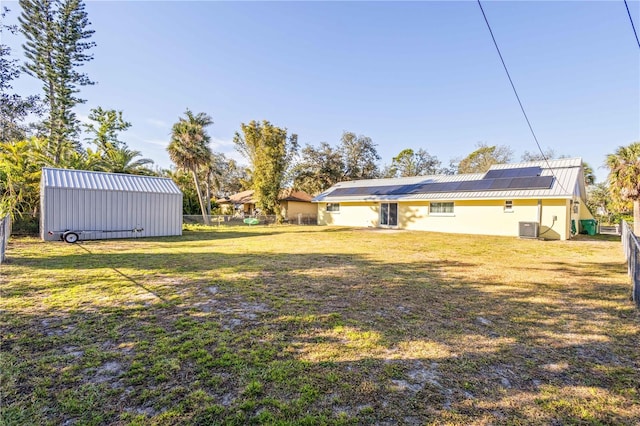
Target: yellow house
column 296, row 206
column 541, row 199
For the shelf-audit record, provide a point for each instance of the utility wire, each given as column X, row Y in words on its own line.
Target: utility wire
column 631, row 20
column 535, row 138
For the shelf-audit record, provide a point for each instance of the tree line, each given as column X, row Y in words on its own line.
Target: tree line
column 58, row 44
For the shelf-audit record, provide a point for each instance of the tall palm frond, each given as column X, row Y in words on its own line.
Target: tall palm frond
column 624, row 178
column 123, row 160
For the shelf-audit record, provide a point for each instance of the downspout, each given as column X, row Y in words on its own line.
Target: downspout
column 539, row 216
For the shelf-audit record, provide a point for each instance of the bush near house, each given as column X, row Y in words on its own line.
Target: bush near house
column 318, row 325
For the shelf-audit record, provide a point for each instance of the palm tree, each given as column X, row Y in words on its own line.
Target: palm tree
column 624, row 178
column 589, row 175
column 122, row 160
column 189, row 149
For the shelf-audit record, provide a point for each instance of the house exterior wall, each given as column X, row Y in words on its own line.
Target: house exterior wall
column 291, row 209
column 487, row 217
column 226, row 208
column 350, row 214
column 103, row 210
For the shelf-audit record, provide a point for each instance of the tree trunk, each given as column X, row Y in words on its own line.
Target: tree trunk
column 208, row 186
column 205, row 217
column 278, row 212
column 636, row 216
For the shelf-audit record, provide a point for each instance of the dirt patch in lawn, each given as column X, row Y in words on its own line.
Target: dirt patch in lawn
column 297, row 325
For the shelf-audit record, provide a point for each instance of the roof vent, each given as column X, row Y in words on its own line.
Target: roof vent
column 528, row 230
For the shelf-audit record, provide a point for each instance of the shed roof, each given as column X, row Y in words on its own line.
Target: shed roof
column 564, row 177
column 101, row 181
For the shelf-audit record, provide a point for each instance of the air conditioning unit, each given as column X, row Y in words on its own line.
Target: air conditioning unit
column 528, row 230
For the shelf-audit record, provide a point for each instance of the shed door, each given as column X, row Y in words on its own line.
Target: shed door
column 389, row 214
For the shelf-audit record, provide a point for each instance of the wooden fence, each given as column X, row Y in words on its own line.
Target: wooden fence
column 631, row 248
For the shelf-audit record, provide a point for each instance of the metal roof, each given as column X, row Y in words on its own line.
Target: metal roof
column 566, row 173
column 101, row 181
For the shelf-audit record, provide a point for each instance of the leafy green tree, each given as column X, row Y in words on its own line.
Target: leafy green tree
column 480, row 160
column 82, row 159
column 57, row 44
column 184, row 180
column 270, row 151
column 189, row 150
column 538, row 156
column 451, row 169
column 104, row 132
column 116, row 155
column 231, row 177
column 624, row 178
column 359, row 156
column 21, row 165
column 224, row 176
column 13, row 107
column 319, row 168
column 413, row 163
column 599, row 200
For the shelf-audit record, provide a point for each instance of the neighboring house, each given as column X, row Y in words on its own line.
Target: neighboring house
column 95, row 205
column 294, row 204
column 241, row 203
column 533, row 199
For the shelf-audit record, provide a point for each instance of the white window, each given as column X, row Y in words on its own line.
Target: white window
column 440, row 208
column 333, row 207
column 508, row 206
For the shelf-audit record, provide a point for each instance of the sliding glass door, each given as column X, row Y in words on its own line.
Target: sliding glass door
column 389, row 214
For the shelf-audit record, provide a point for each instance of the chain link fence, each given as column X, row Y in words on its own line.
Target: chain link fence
column 631, row 248
column 236, row 220
column 5, row 231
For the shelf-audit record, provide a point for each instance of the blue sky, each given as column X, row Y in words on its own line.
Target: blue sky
column 407, row 74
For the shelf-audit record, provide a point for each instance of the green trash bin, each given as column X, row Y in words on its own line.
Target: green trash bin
column 589, row 226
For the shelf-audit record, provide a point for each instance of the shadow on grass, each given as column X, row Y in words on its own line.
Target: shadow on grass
column 322, row 338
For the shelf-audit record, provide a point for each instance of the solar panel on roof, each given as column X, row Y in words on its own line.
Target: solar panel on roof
column 538, row 182
column 513, row 172
column 485, row 184
column 502, row 183
column 475, row 185
column 435, row 187
column 492, row 174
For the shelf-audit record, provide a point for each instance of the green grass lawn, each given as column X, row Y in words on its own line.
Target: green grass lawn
column 317, row 325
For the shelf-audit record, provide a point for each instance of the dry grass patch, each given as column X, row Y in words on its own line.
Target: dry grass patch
column 314, row 325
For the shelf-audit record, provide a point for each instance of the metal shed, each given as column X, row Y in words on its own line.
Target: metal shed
column 97, row 205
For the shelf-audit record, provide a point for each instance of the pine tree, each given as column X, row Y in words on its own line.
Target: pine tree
column 14, row 108
column 56, row 46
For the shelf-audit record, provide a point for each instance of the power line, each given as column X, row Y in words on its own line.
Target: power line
column 631, row 20
column 535, row 138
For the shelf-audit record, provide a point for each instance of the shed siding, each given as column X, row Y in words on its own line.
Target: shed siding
column 108, row 210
